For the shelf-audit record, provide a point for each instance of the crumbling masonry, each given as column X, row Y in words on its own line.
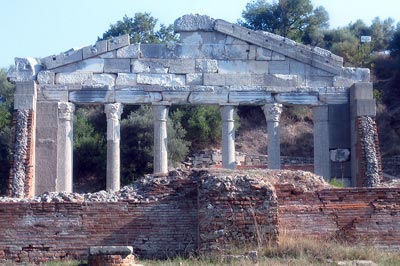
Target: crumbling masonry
column 215, row 62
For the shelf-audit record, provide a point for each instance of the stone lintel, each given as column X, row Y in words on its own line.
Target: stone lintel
column 297, row 98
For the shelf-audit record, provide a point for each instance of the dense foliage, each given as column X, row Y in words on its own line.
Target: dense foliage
column 6, row 106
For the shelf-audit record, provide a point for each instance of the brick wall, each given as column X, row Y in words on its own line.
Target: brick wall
column 160, row 226
column 205, row 211
column 234, row 210
column 352, row 214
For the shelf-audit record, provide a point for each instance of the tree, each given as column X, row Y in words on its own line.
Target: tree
column 137, row 141
column 294, row 19
column 141, row 29
column 6, row 108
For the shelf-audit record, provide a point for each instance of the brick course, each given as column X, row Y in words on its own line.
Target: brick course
column 202, row 211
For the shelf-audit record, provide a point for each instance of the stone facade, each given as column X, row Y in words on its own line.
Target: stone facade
column 214, row 62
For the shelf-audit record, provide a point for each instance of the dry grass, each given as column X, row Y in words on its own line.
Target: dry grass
column 296, row 252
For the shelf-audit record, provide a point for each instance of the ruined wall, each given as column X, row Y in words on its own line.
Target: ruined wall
column 159, row 216
column 213, row 159
column 368, row 215
column 160, row 221
column 197, row 211
column 234, row 210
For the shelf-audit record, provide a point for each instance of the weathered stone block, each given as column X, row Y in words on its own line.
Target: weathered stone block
column 161, row 79
column 198, row 97
column 239, row 52
column 201, row 37
column 98, row 48
column 279, row 67
column 117, row 65
column 134, row 96
column 277, row 56
column 131, row 51
column 297, row 68
column 73, row 78
column 361, row 91
column 111, row 250
column 214, row 79
column 341, row 82
column 24, row 102
column 215, row 51
column 263, row 54
column 194, row 79
column 297, row 98
column 237, row 79
column 181, row 66
column 282, row 80
column 187, row 51
column 126, row 79
column 92, row 96
column 111, row 54
column 250, row 97
column 150, row 50
column 206, row 65
column 232, row 40
column 242, row 66
column 194, row 23
column 319, row 82
column 101, row 80
column 95, row 65
column 363, row 107
column 149, row 66
column 118, row 42
column 52, row 95
column 25, row 69
column 334, row 95
column 357, row 74
column 65, row 58
column 46, row 77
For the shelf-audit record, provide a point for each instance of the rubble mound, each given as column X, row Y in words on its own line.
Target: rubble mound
column 153, row 187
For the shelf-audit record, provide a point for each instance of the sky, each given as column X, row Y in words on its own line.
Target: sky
column 46, row 27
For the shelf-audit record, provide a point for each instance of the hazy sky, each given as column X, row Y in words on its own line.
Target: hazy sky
column 46, row 27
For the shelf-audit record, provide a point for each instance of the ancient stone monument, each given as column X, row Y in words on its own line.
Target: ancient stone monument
column 215, row 62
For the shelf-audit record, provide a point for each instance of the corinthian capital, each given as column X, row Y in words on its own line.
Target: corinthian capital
column 113, row 111
column 272, row 112
column 66, row 110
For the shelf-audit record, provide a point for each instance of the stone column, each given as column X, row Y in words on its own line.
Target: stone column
column 113, row 112
column 322, row 165
column 65, row 143
column 228, row 137
column 160, row 164
column 272, row 114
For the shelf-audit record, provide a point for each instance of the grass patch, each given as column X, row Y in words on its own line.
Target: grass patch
column 297, row 251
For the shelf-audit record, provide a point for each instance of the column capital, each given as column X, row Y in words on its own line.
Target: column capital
column 66, row 110
column 272, row 111
column 113, row 111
